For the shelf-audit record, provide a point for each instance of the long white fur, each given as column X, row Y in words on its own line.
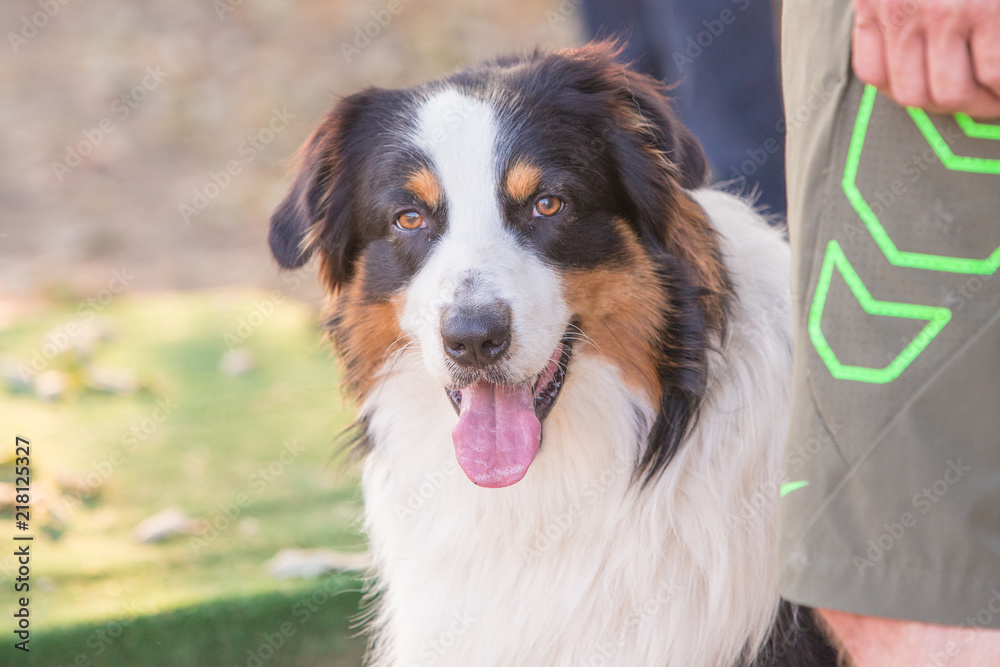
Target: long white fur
column 575, row 565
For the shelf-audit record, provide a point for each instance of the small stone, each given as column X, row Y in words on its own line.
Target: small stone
column 249, row 526
column 51, row 385
column 162, row 525
column 16, row 375
column 237, row 361
column 311, row 563
column 112, row 380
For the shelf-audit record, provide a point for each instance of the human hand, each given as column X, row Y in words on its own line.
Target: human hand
column 938, row 55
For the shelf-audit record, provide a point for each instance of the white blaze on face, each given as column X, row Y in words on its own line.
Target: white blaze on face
column 460, row 135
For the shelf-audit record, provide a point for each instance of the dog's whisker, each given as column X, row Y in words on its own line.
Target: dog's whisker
column 397, row 356
column 576, row 333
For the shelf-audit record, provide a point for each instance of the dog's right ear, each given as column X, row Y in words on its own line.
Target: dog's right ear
column 299, row 211
column 315, row 215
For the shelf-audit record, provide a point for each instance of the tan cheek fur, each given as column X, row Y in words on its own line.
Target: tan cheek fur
column 622, row 309
column 366, row 335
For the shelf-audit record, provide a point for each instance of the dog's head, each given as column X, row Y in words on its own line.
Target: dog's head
column 497, row 220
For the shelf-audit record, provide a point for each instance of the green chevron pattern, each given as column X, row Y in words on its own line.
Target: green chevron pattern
column 896, row 256
column 977, row 130
column 936, row 318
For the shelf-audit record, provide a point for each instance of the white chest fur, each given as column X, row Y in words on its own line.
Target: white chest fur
column 576, row 565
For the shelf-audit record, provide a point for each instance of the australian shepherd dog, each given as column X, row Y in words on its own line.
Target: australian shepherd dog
column 572, row 361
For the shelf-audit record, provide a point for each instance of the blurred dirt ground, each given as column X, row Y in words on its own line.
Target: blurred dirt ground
column 115, row 113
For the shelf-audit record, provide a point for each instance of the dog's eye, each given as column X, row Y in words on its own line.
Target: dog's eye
column 410, row 220
column 547, row 206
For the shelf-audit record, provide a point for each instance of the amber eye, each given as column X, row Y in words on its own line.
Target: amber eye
column 410, row 220
column 547, row 206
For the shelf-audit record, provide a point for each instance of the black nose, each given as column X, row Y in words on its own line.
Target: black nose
column 476, row 337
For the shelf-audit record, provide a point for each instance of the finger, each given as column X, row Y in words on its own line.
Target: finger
column 906, row 63
column 985, row 45
column 980, row 104
column 952, row 87
column 868, row 47
column 984, row 105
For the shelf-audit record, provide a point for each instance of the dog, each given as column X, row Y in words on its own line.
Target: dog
column 573, row 364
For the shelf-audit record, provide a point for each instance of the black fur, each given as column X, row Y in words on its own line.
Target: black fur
column 683, row 374
column 796, row 640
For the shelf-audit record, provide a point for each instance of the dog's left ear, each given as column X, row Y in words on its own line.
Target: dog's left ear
column 653, row 133
column 657, row 161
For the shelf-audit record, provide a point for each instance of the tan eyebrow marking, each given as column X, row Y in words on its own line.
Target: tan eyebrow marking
column 425, row 185
column 522, row 180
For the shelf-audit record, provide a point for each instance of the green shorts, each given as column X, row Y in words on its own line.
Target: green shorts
column 891, row 500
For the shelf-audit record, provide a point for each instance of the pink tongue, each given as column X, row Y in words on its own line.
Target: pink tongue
column 497, row 434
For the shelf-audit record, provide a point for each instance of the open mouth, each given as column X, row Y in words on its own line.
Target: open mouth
column 499, row 426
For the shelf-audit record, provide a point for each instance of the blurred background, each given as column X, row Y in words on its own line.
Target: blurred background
column 188, row 505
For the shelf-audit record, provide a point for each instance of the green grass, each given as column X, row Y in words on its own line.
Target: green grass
column 188, row 602
column 273, row 628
